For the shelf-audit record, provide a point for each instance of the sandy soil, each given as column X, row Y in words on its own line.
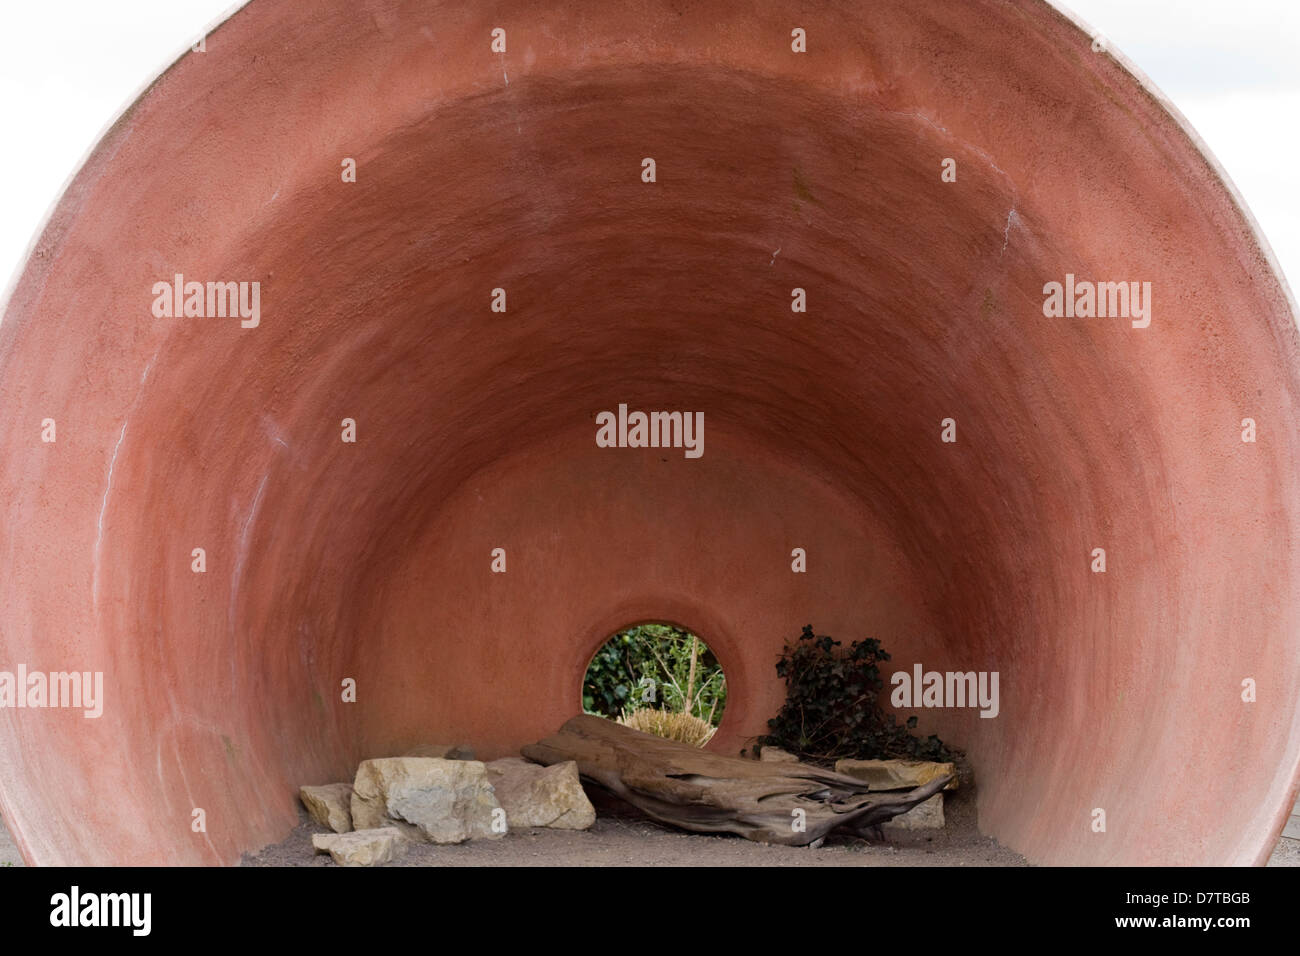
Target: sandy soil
column 623, row 837
column 8, row 849
column 1287, row 853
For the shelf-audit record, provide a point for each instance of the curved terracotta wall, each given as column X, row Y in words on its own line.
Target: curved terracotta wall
column 475, row 430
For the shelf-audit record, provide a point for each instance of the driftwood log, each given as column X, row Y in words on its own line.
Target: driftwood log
column 694, row 789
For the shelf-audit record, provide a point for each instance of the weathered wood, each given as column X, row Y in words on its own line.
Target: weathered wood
column 697, row 790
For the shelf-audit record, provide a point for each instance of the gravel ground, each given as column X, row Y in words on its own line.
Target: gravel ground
column 8, row 849
column 623, row 837
column 1286, row 854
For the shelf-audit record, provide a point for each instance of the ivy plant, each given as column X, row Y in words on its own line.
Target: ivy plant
column 831, row 709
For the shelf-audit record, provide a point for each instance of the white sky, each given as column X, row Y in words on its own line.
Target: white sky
column 68, row 67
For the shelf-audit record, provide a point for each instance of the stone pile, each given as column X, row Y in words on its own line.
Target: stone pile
column 904, row 775
column 891, row 775
column 440, row 794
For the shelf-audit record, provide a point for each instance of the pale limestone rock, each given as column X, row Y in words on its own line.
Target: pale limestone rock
column 923, row 816
column 776, row 755
column 362, row 847
column 537, row 796
column 428, row 798
column 330, row 805
column 896, row 774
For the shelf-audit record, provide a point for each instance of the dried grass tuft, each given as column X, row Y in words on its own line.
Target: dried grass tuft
column 680, row 726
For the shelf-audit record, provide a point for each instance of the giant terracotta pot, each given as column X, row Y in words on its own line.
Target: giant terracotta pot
column 522, row 170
